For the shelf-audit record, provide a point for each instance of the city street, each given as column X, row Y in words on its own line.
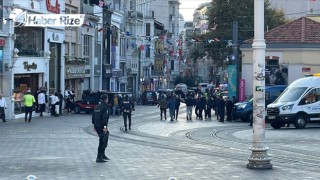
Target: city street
column 65, row 148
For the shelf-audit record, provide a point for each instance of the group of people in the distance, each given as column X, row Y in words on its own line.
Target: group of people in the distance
column 203, row 102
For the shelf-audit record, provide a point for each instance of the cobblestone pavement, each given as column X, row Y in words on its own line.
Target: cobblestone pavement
column 64, row 148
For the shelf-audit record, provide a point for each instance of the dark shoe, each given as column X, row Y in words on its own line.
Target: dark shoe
column 4, row 121
column 250, row 124
column 29, row 121
column 105, row 158
column 100, row 161
column 125, row 129
column 25, row 120
column 129, row 128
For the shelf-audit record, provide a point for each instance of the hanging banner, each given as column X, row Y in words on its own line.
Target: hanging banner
column 232, row 81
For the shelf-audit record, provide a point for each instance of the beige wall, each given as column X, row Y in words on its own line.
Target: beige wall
column 295, row 59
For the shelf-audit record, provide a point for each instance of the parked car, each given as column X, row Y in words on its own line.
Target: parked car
column 244, row 110
column 88, row 103
column 149, row 97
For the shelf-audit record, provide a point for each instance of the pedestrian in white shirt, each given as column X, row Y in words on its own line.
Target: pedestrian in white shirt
column 54, row 101
column 41, row 102
column 3, row 105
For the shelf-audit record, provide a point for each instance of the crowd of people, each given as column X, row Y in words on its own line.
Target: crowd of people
column 202, row 102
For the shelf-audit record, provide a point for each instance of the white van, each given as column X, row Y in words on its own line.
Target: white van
column 299, row 104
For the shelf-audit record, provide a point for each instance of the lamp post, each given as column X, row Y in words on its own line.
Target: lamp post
column 139, row 75
column 259, row 159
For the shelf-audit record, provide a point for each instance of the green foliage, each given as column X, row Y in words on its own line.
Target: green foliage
column 222, row 14
column 188, row 80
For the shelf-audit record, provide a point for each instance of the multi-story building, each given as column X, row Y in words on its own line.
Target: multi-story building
column 32, row 56
column 200, row 19
column 167, row 13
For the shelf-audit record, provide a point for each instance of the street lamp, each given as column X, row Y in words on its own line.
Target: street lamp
column 259, row 159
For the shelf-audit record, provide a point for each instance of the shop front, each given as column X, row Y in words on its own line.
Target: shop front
column 29, row 74
column 75, row 75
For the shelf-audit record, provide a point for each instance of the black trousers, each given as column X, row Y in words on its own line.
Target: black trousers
column 28, row 111
column 229, row 115
column 126, row 116
column 176, row 113
column 41, row 108
column 221, row 115
column 196, row 110
column 208, row 112
column 200, row 113
column 2, row 114
column 103, row 141
column 164, row 112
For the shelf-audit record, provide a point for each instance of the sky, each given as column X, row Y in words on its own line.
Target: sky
column 187, row 8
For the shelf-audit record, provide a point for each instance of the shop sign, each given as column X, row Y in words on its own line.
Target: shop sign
column 115, row 73
column 28, row 66
column 107, row 71
column 2, row 42
column 56, row 37
column 51, row 8
column 75, row 71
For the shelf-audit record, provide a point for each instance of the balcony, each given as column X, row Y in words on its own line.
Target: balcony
column 140, row 16
column 72, row 60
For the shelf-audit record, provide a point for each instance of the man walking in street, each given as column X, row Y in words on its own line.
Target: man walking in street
column 177, row 107
column 60, row 96
column 127, row 108
column 163, row 104
column 3, row 105
column 189, row 104
column 100, row 120
column 221, row 108
column 41, row 102
column 171, row 106
column 229, row 107
column 28, row 100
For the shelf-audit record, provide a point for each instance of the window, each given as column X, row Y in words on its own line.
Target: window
column 122, row 46
column 67, row 11
column 73, row 49
column 173, row 11
column 147, row 51
column 172, row 64
column 66, row 49
column 29, row 41
column 173, row 28
column 147, row 29
column 86, row 48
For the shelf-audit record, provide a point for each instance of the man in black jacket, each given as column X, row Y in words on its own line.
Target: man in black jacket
column 190, row 102
column 177, row 107
column 127, row 108
column 100, row 119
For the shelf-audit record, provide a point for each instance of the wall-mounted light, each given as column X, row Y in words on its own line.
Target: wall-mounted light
column 48, row 40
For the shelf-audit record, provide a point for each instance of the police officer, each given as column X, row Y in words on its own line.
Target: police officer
column 100, row 119
column 127, row 107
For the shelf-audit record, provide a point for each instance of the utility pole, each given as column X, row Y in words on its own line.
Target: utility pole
column 259, row 159
column 139, row 75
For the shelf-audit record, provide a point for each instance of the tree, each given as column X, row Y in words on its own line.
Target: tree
column 221, row 15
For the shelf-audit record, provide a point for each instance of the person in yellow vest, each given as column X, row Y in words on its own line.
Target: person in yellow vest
column 28, row 100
